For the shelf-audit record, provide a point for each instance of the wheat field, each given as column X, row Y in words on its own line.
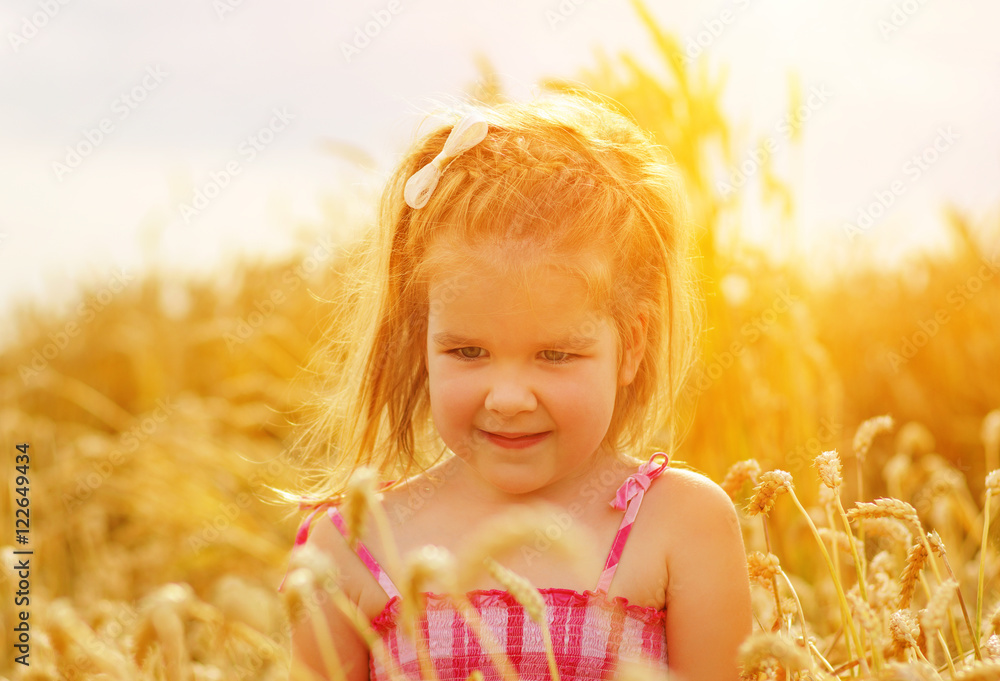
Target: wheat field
column 862, row 450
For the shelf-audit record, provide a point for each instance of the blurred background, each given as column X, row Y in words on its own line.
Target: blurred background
column 178, row 183
column 183, row 86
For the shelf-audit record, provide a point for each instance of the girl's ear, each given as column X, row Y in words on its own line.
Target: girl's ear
column 633, row 348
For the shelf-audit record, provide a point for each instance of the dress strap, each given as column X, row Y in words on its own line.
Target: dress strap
column 628, row 498
column 380, row 575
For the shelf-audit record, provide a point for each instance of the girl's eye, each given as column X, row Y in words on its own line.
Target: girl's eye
column 469, row 353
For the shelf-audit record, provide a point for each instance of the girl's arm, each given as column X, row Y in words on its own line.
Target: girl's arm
column 324, row 626
column 708, row 591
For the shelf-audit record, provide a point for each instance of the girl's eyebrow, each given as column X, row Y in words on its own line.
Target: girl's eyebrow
column 572, row 342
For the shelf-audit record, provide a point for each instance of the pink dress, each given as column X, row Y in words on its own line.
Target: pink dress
column 591, row 632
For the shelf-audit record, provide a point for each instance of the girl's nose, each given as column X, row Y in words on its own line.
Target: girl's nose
column 510, row 395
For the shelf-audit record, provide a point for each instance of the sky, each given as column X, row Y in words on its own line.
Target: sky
column 182, row 135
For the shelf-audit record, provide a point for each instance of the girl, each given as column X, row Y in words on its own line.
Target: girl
column 532, row 323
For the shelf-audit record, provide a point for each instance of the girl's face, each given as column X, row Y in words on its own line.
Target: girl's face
column 522, row 377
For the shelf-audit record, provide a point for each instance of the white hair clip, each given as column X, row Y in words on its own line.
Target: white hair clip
column 467, row 133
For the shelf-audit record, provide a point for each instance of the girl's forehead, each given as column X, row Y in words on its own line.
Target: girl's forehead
column 492, row 285
column 468, row 282
column 546, row 305
column 551, row 310
column 519, row 264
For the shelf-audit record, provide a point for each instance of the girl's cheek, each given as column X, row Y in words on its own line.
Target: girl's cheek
column 453, row 389
column 451, row 379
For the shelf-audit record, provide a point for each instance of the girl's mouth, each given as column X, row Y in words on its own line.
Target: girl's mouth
column 515, row 440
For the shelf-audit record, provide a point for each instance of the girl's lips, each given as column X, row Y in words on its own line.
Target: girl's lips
column 515, row 442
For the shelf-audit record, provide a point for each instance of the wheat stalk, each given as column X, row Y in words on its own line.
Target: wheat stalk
column 514, row 529
column 992, row 487
column 299, row 591
column 863, row 438
column 991, row 439
column 534, row 606
column 935, row 541
column 361, row 498
column 507, row 532
column 312, row 572
column 830, row 467
column 774, row 482
column 424, row 565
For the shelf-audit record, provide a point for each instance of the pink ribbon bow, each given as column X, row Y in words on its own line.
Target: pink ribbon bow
column 639, row 482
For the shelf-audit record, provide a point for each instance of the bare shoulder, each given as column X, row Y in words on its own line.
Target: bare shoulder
column 353, row 578
column 680, row 490
column 694, row 511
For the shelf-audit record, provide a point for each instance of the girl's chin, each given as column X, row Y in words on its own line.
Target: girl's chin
column 513, row 478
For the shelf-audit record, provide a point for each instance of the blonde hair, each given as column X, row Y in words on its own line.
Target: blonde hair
column 565, row 176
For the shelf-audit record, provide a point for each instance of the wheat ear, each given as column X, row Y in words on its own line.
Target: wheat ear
column 525, row 593
column 830, row 466
column 783, row 482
